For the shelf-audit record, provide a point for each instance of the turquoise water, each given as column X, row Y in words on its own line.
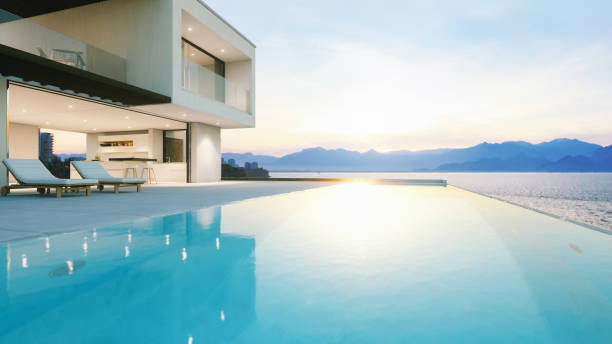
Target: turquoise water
column 351, row 263
column 582, row 197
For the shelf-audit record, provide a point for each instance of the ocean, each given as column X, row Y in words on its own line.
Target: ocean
column 581, row 197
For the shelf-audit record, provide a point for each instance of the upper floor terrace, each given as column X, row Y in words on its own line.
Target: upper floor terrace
column 178, row 57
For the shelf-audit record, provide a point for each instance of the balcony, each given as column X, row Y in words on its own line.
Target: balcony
column 26, row 36
column 203, row 74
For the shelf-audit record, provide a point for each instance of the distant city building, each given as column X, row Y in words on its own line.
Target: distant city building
column 45, row 147
column 232, row 162
column 222, row 161
column 251, row 165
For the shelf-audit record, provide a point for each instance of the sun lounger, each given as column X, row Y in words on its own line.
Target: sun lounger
column 31, row 173
column 93, row 170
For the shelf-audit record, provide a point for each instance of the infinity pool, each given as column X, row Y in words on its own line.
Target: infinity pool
column 350, row 263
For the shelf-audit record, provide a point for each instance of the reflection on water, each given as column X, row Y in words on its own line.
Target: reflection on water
column 67, row 268
column 168, row 279
column 349, row 263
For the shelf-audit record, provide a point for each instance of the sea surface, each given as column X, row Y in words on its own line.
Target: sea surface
column 582, row 197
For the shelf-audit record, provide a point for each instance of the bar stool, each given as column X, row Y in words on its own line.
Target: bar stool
column 148, row 169
column 130, row 168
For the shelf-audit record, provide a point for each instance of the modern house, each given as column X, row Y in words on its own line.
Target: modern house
column 147, row 81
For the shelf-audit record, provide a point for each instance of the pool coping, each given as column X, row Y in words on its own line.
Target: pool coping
column 26, row 234
column 29, row 234
column 433, row 182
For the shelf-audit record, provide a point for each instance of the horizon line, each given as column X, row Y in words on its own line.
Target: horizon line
column 410, row 150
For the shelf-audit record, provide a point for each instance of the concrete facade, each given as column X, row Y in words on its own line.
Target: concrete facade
column 140, row 43
column 205, row 153
column 4, row 123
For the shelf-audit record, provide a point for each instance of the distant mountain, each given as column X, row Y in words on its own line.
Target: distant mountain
column 578, row 163
column 519, row 163
column 241, row 158
column 603, row 155
column 556, row 155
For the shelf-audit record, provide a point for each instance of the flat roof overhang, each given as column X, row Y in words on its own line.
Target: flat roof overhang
column 29, row 67
column 48, row 109
column 30, row 8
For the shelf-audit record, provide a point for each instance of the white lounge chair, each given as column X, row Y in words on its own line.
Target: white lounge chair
column 31, row 173
column 93, row 170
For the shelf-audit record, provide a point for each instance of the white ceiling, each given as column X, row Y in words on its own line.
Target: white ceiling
column 186, row 114
column 62, row 112
column 209, row 40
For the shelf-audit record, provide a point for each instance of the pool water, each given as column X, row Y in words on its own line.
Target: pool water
column 349, row 263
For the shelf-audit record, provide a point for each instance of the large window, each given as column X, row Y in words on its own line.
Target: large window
column 203, row 73
column 175, row 145
column 57, row 148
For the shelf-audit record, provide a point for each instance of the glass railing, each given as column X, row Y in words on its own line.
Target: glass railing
column 24, row 35
column 203, row 81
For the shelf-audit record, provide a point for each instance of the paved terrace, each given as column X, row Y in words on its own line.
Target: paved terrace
column 25, row 214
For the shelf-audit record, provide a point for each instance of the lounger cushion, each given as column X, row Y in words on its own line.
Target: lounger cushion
column 91, row 169
column 32, row 171
column 113, row 180
column 94, row 170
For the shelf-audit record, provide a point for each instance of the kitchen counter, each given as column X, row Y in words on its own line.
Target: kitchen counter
column 165, row 172
column 132, row 159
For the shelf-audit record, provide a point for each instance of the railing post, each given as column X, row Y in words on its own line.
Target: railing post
column 4, row 129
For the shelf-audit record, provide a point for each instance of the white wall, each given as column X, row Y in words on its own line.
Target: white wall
column 3, row 129
column 23, row 141
column 195, row 9
column 205, row 153
column 93, row 146
column 240, row 74
column 137, row 30
column 156, row 144
column 194, row 101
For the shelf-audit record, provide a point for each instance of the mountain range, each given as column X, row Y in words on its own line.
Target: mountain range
column 559, row 155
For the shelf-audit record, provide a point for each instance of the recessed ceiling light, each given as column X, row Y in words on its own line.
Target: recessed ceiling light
column 217, row 123
column 70, row 106
column 192, row 54
column 94, row 129
column 222, row 50
column 47, row 122
column 190, row 29
column 167, row 125
column 127, row 117
column 84, row 121
column 24, row 110
column 184, row 114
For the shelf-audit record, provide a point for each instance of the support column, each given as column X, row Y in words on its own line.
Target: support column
column 205, row 153
column 93, row 146
column 4, row 127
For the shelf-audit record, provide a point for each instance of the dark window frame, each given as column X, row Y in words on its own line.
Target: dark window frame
column 218, row 61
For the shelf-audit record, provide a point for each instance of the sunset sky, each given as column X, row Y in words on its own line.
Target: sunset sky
column 395, row 75
column 390, row 75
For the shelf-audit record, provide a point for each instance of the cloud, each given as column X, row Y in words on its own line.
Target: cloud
column 422, row 74
column 338, row 93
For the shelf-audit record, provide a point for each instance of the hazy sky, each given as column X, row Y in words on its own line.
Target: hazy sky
column 422, row 74
column 67, row 142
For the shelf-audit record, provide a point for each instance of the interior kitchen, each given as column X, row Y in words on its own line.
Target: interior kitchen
column 126, row 142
